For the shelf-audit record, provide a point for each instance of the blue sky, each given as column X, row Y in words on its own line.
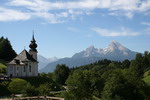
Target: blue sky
column 65, row 27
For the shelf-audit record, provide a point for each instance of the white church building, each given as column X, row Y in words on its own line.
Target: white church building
column 25, row 64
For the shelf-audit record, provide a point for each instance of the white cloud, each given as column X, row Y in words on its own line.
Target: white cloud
column 58, row 11
column 146, row 23
column 113, row 33
column 13, row 15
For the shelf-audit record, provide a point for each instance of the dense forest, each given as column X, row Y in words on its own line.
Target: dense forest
column 102, row 80
column 111, row 80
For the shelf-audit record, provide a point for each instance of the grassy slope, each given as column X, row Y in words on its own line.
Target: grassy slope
column 37, row 81
column 2, row 66
column 147, row 80
column 147, row 77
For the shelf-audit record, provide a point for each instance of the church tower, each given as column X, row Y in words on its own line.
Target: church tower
column 33, row 51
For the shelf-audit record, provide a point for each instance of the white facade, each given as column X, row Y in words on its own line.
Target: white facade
column 29, row 69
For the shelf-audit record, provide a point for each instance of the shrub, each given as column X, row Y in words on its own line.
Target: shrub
column 17, row 85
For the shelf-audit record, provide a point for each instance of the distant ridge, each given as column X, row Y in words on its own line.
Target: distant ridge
column 115, row 51
column 44, row 61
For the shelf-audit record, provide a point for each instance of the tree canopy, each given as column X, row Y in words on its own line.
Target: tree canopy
column 6, row 51
column 110, row 80
column 61, row 73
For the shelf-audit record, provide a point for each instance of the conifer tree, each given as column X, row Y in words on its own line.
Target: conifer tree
column 6, row 51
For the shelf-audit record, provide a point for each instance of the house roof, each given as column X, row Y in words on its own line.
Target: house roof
column 24, row 56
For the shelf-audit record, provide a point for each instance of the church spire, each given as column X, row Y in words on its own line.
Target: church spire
column 33, row 44
column 33, row 37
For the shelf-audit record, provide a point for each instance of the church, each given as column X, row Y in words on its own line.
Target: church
column 25, row 64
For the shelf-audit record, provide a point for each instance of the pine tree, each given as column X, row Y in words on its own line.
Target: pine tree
column 6, row 51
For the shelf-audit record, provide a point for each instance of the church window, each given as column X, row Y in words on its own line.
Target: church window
column 30, row 68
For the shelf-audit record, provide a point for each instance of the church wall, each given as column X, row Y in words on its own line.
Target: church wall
column 10, row 70
column 23, row 70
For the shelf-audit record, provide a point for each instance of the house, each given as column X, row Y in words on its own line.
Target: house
column 25, row 64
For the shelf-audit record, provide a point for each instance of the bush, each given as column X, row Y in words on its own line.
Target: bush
column 44, row 89
column 3, row 88
column 17, row 85
column 30, row 90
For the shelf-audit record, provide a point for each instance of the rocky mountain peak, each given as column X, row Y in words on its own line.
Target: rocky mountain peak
column 114, row 45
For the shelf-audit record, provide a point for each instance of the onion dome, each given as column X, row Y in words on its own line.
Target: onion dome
column 33, row 44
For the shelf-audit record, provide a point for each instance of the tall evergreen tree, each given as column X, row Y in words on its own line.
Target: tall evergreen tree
column 61, row 73
column 6, row 51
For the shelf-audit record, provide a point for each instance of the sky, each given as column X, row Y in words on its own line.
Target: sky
column 65, row 27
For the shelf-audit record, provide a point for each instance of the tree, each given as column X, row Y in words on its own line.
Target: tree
column 44, row 89
column 125, row 64
column 30, row 90
column 3, row 88
column 6, row 51
column 123, row 86
column 83, row 85
column 17, row 85
column 61, row 73
column 79, row 85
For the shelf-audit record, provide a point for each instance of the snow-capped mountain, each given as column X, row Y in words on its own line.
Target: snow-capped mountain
column 44, row 61
column 115, row 51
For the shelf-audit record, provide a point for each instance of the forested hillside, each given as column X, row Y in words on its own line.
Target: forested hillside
column 111, row 80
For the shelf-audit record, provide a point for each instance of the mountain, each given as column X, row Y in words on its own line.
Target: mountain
column 44, row 61
column 115, row 51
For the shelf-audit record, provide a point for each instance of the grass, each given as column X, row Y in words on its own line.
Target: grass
column 147, row 80
column 147, row 77
column 37, row 81
column 2, row 66
column 96, row 98
column 147, row 73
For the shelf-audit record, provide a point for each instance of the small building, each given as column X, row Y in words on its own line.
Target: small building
column 25, row 64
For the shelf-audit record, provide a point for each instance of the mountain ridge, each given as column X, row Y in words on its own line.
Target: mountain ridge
column 114, row 51
column 43, row 61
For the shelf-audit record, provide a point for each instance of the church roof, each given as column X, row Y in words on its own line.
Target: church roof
column 24, row 56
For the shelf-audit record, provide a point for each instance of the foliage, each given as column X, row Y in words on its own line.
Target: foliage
column 17, row 85
column 123, row 86
column 3, row 88
column 110, row 80
column 83, row 84
column 61, row 73
column 6, row 51
column 44, row 89
column 37, row 81
column 30, row 90
column 2, row 68
column 147, row 80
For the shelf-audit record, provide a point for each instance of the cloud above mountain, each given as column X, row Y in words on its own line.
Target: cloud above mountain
column 60, row 11
column 113, row 33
